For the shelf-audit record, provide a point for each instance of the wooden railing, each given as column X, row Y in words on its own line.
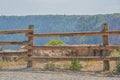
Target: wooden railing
column 29, row 33
column 95, row 33
column 15, row 31
column 76, row 47
column 12, row 43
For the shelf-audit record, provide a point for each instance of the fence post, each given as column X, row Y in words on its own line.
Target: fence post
column 106, row 65
column 30, row 45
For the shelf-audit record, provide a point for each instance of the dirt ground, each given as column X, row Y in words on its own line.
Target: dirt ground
column 91, row 70
column 37, row 74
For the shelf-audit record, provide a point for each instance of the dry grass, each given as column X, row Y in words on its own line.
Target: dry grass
column 4, row 64
column 87, row 65
column 62, row 65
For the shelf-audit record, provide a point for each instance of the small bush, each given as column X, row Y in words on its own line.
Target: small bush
column 118, row 68
column 115, row 53
column 55, row 42
column 75, row 65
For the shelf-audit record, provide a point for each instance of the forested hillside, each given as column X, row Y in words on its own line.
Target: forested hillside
column 61, row 23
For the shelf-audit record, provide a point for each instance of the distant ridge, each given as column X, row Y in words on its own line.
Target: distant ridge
column 61, row 23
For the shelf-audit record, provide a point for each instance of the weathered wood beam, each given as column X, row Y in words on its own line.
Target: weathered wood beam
column 31, row 43
column 96, row 33
column 15, row 31
column 77, row 47
column 13, row 53
column 84, row 58
column 10, row 43
column 106, row 65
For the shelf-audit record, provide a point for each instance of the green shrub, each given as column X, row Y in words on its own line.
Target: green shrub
column 118, row 68
column 55, row 42
column 115, row 53
column 75, row 65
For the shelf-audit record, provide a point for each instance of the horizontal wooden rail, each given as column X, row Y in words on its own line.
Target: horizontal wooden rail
column 9, row 43
column 13, row 53
column 15, row 31
column 96, row 33
column 77, row 47
column 84, row 58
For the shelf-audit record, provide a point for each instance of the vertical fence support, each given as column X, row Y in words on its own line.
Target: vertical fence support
column 30, row 44
column 106, row 65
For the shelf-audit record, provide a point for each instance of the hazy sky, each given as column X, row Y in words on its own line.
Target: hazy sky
column 71, row 7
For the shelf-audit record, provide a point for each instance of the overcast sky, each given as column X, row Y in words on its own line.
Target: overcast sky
column 71, row 7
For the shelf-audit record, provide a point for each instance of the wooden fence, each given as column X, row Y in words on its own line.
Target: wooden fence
column 29, row 33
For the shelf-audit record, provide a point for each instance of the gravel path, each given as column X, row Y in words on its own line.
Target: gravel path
column 30, row 74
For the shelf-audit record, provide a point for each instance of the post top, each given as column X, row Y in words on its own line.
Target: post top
column 31, row 26
column 105, row 27
column 105, row 24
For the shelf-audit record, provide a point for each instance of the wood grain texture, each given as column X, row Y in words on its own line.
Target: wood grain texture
column 15, row 31
column 11, row 43
column 84, row 58
column 96, row 33
column 76, row 47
